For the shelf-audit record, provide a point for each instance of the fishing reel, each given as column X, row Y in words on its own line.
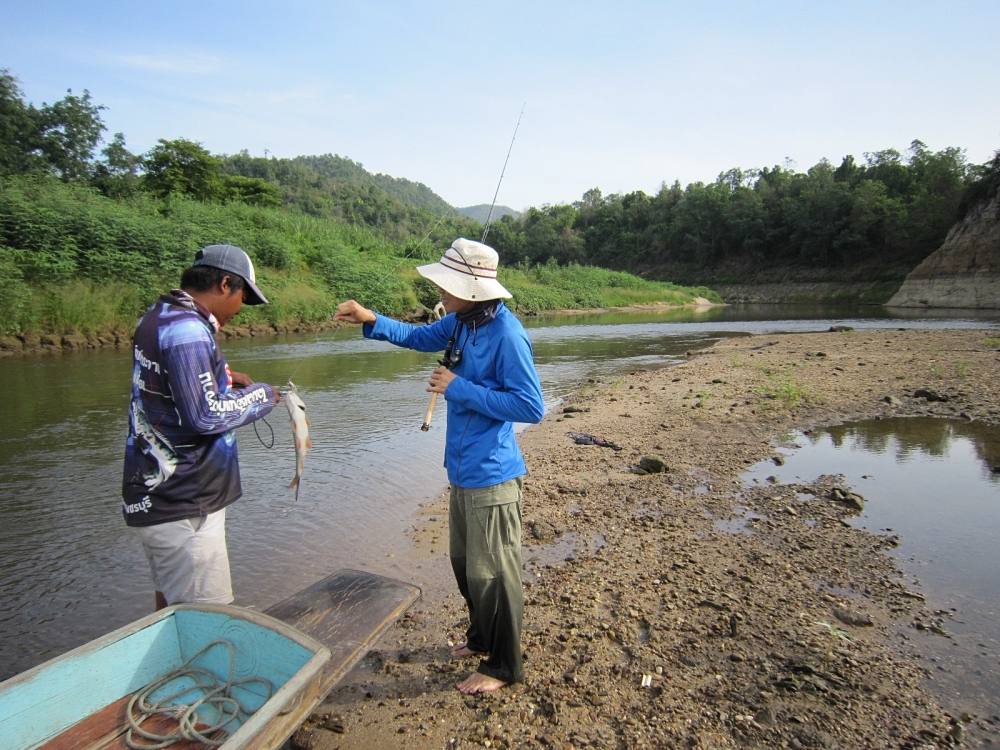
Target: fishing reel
column 452, row 356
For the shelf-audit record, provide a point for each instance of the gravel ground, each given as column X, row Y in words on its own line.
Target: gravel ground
column 649, row 625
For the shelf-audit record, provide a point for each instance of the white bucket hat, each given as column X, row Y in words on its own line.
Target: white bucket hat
column 467, row 270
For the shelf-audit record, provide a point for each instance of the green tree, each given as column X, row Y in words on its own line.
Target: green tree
column 68, row 132
column 938, row 181
column 253, row 191
column 18, row 128
column 182, row 167
column 117, row 175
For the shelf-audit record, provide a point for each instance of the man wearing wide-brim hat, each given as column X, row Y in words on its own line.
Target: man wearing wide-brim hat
column 488, row 378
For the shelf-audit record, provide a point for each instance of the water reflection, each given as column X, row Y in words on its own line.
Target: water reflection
column 934, row 483
column 769, row 318
column 908, row 439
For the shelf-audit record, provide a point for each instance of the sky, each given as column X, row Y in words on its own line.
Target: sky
column 620, row 96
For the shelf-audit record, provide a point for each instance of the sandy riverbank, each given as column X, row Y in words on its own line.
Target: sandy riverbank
column 742, row 637
column 698, row 303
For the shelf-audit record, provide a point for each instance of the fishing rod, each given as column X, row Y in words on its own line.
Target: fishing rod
column 489, row 217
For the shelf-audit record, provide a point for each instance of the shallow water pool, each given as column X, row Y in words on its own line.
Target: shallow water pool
column 935, row 483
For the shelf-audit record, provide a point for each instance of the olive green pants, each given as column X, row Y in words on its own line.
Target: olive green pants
column 485, row 548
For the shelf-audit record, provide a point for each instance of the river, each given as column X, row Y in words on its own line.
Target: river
column 69, row 568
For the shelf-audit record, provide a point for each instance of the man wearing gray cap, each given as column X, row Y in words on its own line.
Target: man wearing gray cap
column 181, row 465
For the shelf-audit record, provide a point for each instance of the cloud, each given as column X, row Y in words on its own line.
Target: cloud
column 255, row 99
column 190, row 63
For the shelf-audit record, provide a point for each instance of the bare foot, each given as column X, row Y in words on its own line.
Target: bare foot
column 461, row 650
column 480, row 683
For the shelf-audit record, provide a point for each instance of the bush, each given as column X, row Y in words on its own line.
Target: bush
column 375, row 287
column 15, row 302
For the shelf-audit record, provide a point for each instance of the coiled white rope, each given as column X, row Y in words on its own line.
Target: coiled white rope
column 207, row 689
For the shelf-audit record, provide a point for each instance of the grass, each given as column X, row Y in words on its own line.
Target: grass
column 554, row 287
column 76, row 262
column 783, row 389
column 75, row 307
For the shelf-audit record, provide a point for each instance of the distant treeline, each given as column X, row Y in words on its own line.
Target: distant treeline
column 86, row 241
column 843, row 222
column 77, row 224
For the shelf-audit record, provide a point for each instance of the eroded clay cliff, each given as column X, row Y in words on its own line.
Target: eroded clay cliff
column 965, row 271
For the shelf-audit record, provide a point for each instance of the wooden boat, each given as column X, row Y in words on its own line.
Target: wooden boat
column 81, row 700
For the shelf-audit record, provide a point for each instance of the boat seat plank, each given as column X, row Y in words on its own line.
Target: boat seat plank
column 347, row 612
column 105, row 730
column 94, row 731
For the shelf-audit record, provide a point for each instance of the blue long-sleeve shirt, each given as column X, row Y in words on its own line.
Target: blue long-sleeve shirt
column 180, row 454
column 496, row 384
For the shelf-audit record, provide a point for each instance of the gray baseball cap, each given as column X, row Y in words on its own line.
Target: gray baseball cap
column 235, row 260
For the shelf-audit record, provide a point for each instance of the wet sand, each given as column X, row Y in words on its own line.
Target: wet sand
column 650, row 621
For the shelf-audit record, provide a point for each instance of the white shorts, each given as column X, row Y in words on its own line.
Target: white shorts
column 189, row 560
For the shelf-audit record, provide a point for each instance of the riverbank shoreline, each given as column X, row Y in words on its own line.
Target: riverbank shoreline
column 648, row 626
column 34, row 344
column 699, row 303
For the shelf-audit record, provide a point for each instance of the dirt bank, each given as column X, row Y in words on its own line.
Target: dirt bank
column 31, row 344
column 784, row 637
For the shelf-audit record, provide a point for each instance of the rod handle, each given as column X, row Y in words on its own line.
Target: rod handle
column 429, row 413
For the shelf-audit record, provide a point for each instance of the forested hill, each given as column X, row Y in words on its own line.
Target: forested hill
column 336, row 187
column 481, row 212
column 415, row 193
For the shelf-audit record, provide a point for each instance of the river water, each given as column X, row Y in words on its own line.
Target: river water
column 69, row 568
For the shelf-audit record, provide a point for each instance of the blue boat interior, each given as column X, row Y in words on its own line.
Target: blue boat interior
column 49, row 699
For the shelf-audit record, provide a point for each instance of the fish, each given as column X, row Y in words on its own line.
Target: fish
column 153, row 443
column 300, row 430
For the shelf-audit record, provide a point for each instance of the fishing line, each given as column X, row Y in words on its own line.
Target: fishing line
column 259, row 438
column 264, row 420
column 417, row 246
